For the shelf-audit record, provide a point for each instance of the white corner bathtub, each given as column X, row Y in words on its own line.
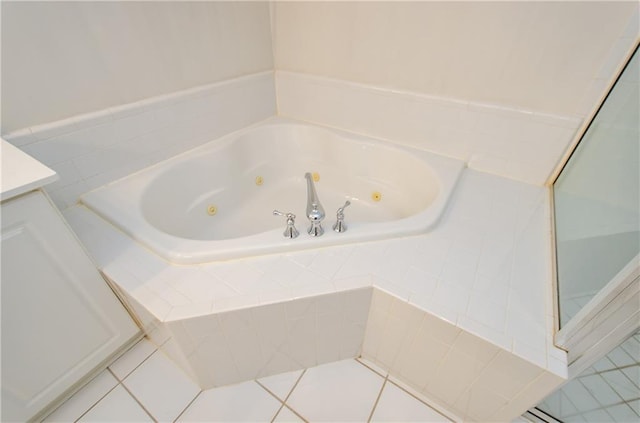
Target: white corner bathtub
column 216, row 202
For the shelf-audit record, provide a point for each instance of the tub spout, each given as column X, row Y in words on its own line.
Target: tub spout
column 315, row 212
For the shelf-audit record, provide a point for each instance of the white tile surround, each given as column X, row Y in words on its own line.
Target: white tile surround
column 480, row 280
column 484, row 271
column 520, row 144
column 90, row 150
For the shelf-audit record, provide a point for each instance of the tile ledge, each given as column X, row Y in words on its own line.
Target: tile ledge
column 571, row 121
column 44, row 131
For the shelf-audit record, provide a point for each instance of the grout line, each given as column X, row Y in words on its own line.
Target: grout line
column 132, row 346
column 570, row 401
column 370, row 368
column 291, row 410
column 132, row 370
column 225, row 338
column 187, row 407
column 613, row 369
column 277, row 412
column 295, row 385
column 375, row 404
column 95, row 403
column 613, row 387
column 114, row 376
column 404, row 390
column 283, row 402
column 296, row 413
column 269, row 392
column 138, row 401
column 419, row 399
column 413, row 338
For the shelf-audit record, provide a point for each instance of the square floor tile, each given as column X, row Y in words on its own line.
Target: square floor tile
column 340, row 391
column 132, row 358
column 244, row 402
column 396, row 405
column 84, row 399
column 161, row 387
column 118, row 406
column 282, row 383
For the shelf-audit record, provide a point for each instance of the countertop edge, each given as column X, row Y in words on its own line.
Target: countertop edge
column 21, row 173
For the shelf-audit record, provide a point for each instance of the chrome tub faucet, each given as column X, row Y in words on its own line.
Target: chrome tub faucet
column 315, row 212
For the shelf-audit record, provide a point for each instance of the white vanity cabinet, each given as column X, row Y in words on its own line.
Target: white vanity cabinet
column 59, row 318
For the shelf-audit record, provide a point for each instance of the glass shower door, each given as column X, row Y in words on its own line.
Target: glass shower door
column 597, row 199
column 597, row 232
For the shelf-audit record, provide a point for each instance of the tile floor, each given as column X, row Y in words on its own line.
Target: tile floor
column 144, row 385
column 608, row 391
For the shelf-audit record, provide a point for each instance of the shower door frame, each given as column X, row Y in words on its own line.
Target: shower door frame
column 608, row 319
column 613, row 313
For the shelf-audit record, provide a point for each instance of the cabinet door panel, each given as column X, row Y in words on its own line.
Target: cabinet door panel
column 59, row 318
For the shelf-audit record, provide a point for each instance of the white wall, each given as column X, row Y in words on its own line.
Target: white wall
column 540, row 56
column 502, row 86
column 61, row 59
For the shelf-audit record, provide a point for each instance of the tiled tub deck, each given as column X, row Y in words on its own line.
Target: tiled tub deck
column 462, row 314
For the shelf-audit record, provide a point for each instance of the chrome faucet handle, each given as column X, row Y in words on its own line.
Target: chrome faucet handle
column 315, row 219
column 340, row 226
column 290, row 231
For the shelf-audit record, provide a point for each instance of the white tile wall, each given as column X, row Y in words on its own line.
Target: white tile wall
column 97, row 148
column 484, row 271
column 498, row 52
column 518, row 144
column 61, row 59
column 614, row 60
column 470, row 376
column 223, row 348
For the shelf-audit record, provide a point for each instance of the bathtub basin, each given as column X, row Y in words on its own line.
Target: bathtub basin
column 216, row 202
